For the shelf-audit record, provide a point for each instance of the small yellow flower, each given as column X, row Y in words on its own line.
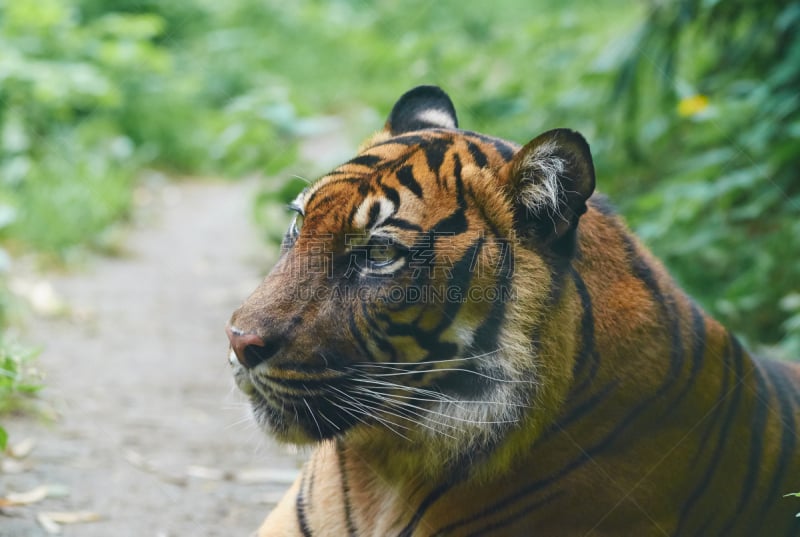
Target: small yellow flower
column 691, row 106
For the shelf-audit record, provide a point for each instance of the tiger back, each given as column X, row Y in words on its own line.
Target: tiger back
column 475, row 344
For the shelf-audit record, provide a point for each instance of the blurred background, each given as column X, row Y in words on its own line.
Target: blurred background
column 691, row 108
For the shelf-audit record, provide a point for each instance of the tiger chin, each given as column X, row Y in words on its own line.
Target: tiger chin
column 475, row 344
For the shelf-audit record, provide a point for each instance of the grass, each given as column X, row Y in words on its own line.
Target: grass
column 19, row 380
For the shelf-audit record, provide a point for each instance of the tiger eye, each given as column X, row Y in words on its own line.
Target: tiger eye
column 297, row 224
column 382, row 251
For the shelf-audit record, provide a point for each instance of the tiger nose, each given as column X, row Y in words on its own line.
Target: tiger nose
column 250, row 349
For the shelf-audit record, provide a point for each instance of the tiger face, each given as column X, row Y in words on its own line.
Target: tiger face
column 413, row 286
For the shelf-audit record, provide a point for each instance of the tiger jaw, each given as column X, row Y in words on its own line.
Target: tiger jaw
column 479, row 402
column 298, row 416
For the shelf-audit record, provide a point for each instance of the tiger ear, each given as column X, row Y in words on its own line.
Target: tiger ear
column 550, row 180
column 424, row 107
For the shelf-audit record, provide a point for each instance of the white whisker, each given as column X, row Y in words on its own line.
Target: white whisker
column 452, row 369
column 370, row 413
column 301, row 178
column 412, row 416
column 313, row 417
column 459, row 359
column 323, row 416
column 423, row 409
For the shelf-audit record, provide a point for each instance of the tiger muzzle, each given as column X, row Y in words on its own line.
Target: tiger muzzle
column 251, row 349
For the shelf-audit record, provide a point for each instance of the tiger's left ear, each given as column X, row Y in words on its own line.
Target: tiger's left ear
column 550, row 180
column 423, row 107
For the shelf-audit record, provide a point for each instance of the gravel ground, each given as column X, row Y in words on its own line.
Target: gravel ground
column 148, row 433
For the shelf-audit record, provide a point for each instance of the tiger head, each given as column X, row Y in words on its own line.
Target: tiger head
column 415, row 304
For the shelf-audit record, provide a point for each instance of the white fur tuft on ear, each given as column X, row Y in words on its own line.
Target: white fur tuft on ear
column 541, row 187
column 424, row 107
column 550, row 180
column 437, row 117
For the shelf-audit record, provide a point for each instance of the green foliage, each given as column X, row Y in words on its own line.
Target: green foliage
column 90, row 92
column 719, row 198
column 18, row 380
column 65, row 167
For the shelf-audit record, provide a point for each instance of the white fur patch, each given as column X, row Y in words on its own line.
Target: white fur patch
column 499, row 408
column 361, row 218
column 540, row 186
column 437, row 117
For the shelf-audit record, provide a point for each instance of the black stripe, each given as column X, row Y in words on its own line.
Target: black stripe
column 668, row 307
column 666, row 302
column 456, row 222
column 374, row 212
column 507, row 520
column 477, row 155
column 406, row 177
column 457, row 167
column 504, row 147
column 718, row 409
column 722, row 440
column 426, row 503
column 401, row 223
column 354, row 330
column 777, row 373
column 300, row 510
column 308, row 383
column 365, row 160
column 392, row 195
column 348, row 181
column 488, row 332
column 376, row 333
column 702, row 530
column 348, row 509
column 758, row 423
column 533, row 487
column 312, row 475
column 698, row 352
column 352, row 214
column 587, row 325
column 459, row 283
column 579, row 410
column 435, row 150
column 408, row 140
column 578, row 389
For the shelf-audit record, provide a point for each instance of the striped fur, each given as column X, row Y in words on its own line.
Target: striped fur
column 591, row 396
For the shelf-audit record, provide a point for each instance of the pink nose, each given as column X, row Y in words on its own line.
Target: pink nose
column 249, row 349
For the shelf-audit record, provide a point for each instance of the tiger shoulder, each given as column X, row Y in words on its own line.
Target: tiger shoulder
column 475, row 344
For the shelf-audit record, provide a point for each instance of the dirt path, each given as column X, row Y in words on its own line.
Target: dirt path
column 150, row 434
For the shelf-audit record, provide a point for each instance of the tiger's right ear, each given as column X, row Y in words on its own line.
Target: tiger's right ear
column 424, row 107
column 550, row 180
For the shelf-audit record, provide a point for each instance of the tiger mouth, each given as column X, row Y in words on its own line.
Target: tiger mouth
column 309, row 419
column 301, row 405
column 302, row 409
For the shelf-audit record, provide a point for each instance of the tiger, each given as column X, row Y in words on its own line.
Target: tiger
column 473, row 343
